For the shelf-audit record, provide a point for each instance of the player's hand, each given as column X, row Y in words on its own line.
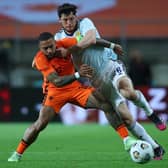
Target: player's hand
column 118, row 50
column 62, row 52
column 86, row 71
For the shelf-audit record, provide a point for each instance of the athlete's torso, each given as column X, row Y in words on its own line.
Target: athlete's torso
column 98, row 57
column 57, row 64
column 95, row 56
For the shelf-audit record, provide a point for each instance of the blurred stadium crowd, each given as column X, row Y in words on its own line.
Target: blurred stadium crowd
column 141, row 27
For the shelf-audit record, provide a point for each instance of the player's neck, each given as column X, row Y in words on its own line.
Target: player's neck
column 70, row 33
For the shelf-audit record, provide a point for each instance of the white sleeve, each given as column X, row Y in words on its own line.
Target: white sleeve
column 56, row 37
column 85, row 25
column 59, row 35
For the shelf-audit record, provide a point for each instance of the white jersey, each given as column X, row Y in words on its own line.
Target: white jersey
column 100, row 58
column 83, row 26
column 95, row 56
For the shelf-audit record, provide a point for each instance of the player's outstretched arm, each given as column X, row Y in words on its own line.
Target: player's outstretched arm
column 88, row 39
column 116, row 47
column 59, row 81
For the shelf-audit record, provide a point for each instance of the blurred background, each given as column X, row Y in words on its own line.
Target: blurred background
column 141, row 27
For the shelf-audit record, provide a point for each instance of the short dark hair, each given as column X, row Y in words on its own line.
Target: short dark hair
column 66, row 8
column 45, row 36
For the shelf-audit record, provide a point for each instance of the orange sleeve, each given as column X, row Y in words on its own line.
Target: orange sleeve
column 43, row 65
column 67, row 42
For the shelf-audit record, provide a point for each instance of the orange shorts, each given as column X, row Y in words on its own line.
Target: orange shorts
column 57, row 98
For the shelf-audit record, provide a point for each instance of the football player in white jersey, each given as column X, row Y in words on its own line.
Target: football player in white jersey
column 108, row 72
column 72, row 26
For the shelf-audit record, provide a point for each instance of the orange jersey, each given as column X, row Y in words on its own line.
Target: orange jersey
column 66, row 42
column 57, row 64
column 74, row 92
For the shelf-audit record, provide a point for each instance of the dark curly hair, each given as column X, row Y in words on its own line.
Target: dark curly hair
column 66, row 9
column 45, row 36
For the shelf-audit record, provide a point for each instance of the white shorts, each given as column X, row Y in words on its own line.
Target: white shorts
column 104, row 83
column 112, row 94
column 119, row 72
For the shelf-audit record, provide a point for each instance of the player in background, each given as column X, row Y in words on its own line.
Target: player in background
column 60, row 86
column 71, row 26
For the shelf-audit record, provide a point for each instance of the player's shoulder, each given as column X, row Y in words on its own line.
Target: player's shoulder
column 84, row 20
column 60, row 31
column 40, row 61
column 39, row 55
column 85, row 23
column 59, row 34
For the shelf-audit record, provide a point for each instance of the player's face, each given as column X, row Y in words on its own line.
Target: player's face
column 68, row 22
column 48, row 47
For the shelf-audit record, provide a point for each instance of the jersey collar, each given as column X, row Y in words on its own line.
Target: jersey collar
column 71, row 34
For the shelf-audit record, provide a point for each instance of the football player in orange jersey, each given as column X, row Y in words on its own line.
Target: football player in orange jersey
column 61, row 86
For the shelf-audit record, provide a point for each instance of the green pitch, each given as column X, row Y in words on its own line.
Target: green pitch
column 80, row 146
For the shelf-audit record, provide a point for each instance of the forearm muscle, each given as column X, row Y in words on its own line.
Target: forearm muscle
column 60, row 80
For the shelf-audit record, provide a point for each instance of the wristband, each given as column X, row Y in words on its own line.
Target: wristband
column 112, row 45
column 77, row 75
